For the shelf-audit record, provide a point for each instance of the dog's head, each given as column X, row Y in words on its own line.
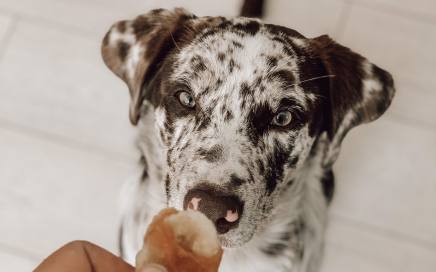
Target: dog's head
column 238, row 106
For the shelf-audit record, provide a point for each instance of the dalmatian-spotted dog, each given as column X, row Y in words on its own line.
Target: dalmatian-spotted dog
column 241, row 120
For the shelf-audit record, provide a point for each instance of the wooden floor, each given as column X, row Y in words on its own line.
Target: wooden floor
column 66, row 144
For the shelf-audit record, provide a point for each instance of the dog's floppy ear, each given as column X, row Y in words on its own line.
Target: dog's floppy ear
column 134, row 49
column 359, row 91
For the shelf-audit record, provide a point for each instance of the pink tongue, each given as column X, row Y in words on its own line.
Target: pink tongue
column 231, row 216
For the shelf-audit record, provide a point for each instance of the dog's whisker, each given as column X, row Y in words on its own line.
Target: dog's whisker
column 174, row 41
column 310, row 79
column 315, row 78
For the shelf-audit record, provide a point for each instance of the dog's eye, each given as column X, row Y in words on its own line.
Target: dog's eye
column 186, row 99
column 282, row 119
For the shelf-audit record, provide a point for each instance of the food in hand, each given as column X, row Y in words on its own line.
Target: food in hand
column 181, row 241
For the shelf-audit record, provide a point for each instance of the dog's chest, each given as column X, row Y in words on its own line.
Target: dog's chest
column 252, row 259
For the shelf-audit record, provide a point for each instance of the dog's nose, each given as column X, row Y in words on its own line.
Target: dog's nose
column 223, row 210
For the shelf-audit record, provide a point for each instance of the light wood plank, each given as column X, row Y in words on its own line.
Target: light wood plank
column 51, row 194
column 95, row 17
column 414, row 103
column 15, row 263
column 198, row 7
column 418, row 9
column 386, row 177
column 5, row 22
column 354, row 248
column 87, row 17
column 402, row 46
column 56, row 82
column 311, row 18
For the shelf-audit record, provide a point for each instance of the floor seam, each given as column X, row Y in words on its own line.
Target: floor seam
column 412, row 123
column 66, row 142
column 9, row 33
column 44, row 22
column 392, row 10
column 343, row 20
column 384, row 232
column 20, row 252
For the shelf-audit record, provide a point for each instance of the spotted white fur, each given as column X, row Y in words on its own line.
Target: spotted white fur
column 239, row 71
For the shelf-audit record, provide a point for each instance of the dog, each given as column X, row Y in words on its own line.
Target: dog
column 243, row 121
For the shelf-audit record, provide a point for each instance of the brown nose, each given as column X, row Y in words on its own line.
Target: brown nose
column 224, row 211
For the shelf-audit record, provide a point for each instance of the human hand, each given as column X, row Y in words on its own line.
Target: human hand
column 83, row 256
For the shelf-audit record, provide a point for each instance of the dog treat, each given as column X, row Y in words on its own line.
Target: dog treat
column 181, row 241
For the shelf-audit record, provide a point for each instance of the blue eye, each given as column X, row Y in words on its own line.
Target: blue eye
column 282, row 119
column 186, row 99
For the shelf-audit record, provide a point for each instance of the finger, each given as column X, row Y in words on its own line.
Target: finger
column 153, row 268
column 82, row 256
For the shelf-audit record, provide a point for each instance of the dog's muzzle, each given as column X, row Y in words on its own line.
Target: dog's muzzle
column 223, row 210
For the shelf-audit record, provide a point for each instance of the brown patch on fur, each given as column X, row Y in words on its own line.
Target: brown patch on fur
column 221, row 56
column 157, row 33
column 271, row 62
column 214, row 154
column 345, row 92
column 121, row 26
column 123, row 50
column 286, row 77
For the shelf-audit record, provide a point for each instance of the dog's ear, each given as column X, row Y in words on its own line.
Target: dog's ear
column 134, row 50
column 359, row 91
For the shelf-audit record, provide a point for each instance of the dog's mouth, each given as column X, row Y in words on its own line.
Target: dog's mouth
column 238, row 237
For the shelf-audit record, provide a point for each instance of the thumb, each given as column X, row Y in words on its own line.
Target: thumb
column 153, row 268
